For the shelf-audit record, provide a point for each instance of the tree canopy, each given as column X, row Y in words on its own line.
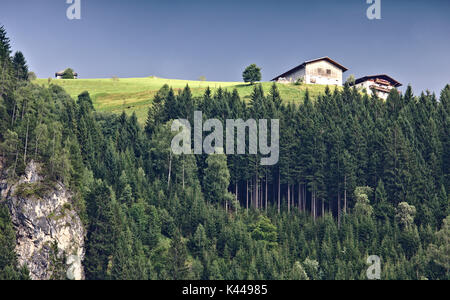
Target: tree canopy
column 252, row 74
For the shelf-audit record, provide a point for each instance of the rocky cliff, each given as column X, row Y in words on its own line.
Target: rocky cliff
column 50, row 234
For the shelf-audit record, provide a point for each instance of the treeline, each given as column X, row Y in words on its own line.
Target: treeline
column 357, row 176
column 328, row 148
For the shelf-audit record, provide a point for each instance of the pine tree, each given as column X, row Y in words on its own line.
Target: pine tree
column 123, row 256
column 5, row 46
column 155, row 116
column 8, row 259
column 444, row 205
column 20, row 66
column 383, row 210
column 200, row 241
column 439, row 252
column 397, row 160
column 186, row 104
column 178, row 255
column 102, row 232
column 171, row 106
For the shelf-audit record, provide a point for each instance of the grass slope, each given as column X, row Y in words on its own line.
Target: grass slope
column 136, row 94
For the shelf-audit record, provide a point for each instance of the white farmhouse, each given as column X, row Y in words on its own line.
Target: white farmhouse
column 318, row 71
column 379, row 84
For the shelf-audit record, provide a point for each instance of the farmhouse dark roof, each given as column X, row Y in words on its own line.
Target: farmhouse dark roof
column 394, row 82
column 299, row 67
column 61, row 73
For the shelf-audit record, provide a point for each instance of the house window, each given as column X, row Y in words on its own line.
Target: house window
column 328, row 72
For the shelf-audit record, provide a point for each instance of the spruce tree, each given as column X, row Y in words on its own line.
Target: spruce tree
column 20, row 66
column 177, row 258
column 8, row 260
column 102, row 232
column 5, row 45
column 155, row 115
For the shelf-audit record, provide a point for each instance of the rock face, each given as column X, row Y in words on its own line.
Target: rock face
column 50, row 234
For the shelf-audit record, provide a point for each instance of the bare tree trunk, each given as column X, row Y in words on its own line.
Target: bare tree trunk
column 17, row 158
column 267, row 190
column 247, row 196
column 260, row 186
column 345, row 194
column 26, row 143
column 279, row 192
column 339, row 210
column 24, row 104
column 38, row 137
column 256, row 194
column 252, row 194
column 289, row 198
column 299, row 198
column 14, row 113
column 313, row 205
column 323, row 208
column 236, row 198
column 304, row 197
column 170, row 170
column 183, row 174
column 293, row 196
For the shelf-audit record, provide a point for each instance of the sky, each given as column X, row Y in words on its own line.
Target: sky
column 183, row 39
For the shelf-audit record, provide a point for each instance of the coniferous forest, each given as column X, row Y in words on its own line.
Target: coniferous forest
column 357, row 176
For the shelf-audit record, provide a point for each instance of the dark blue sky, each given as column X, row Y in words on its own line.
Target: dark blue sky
column 218, row 38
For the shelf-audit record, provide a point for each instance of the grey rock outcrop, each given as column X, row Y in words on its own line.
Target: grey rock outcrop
column 50, row 234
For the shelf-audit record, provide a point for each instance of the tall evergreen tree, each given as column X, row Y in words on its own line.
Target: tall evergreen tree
column 102, row 232
column 20, row 66
column 8, row 261
column 155, row 116
column 178, row 255
column 5, row 45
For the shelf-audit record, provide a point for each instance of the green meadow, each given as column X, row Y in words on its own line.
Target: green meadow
column 136, row 94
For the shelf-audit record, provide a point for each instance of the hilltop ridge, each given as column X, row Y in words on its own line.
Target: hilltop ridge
column 136, row 94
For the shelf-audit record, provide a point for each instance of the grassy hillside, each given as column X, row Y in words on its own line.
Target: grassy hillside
column 136, row 94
